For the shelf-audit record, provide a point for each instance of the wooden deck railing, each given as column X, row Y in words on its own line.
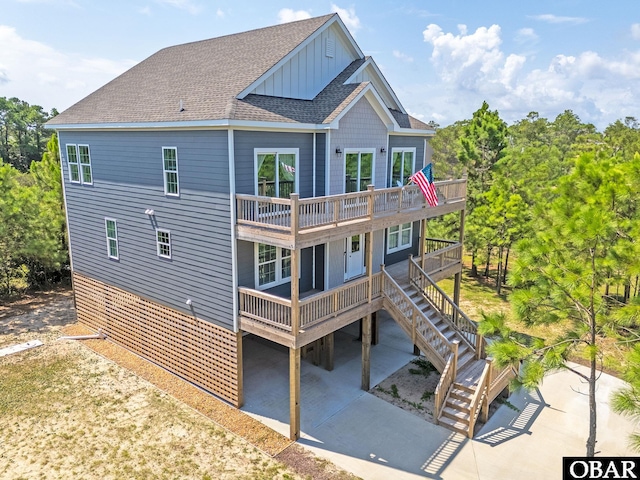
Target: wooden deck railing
column 466, row 327
column 441, row 254
column 479, row 397
column 296, row 214
column 415, row 323
column 275, row 312
column 447, row 378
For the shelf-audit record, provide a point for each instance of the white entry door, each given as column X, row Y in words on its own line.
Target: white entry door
column 354, row 257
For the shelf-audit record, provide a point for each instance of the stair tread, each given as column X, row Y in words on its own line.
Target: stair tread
column 454, row 425
column 456, row 414
column 460, row 404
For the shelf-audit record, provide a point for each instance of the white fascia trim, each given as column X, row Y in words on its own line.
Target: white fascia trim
column 204, row 124
column 413, row 131
column 383, row 80
column 371, row 93
column 295, row 51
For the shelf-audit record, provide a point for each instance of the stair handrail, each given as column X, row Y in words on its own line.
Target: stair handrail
column 477, row 400
column 447, row 378
column 467, row 328
column 415, row 311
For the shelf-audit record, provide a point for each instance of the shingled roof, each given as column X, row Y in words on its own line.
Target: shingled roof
column 206, row 75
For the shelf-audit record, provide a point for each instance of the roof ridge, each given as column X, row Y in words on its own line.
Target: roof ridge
column 253, row 30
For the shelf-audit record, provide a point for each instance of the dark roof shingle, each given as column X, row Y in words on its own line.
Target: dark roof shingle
column 206, row 76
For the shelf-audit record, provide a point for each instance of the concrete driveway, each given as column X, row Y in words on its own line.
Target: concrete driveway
column 524, row 439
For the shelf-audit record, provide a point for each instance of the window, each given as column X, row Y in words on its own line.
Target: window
column 358, row 171
column 402, row 165
column 399, row 237
column 170, row 169
column 112, row 237
column 276, row 172
column 274, row 265
column 163, row 242
column 79, row 160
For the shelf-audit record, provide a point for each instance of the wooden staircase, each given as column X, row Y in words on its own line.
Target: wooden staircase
column 468, row 381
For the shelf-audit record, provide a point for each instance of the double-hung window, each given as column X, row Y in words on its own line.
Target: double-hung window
column 163, row 243
column 399, row 237
column 276, row 174
column 274, row 265
column 79, row 161
column 112, row 237
column 402, row 165
column 170, row 171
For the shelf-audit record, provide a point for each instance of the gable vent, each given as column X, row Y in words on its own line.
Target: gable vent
column 330, row 47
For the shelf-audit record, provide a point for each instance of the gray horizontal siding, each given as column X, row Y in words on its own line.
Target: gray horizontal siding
column 245, row 143
column 127, row 174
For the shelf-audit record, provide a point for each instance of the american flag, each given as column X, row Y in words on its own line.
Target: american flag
column 424, row 180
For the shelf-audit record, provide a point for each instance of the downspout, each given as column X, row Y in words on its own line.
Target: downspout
column 313, row 250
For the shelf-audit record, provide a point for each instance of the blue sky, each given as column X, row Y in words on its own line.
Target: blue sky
column 443, row 59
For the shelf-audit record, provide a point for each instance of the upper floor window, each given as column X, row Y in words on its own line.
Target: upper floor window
column 79, row 161
column 358, row 171
column 170, row 171
column 112, row 237
column 402, row 165
column 399, row 237
column 163, row 242
column 273, row 265
column 276, row 172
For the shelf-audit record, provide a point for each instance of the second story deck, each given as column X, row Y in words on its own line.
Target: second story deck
column 296, row 223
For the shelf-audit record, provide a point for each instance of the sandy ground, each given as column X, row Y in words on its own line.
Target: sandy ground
column 69, row 409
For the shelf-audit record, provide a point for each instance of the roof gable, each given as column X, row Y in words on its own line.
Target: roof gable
column 310, row 67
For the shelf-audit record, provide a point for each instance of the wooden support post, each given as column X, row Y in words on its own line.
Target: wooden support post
column 366, row 352
column 454, row 364
column 295, row 293
column 294, row 393
column 479, row 346
column 485, row 404
column 328, row 351
column 457, row 280
column 240, row 369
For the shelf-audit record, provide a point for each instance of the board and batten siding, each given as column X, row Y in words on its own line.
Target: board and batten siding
column 127, row 172
column 311, row 69
column 360, row 128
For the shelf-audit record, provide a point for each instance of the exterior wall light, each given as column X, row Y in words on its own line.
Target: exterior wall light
column 338, row 151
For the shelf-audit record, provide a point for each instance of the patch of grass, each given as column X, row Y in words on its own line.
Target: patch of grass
column 394, row 391
column 424, row 367
column 426, row 396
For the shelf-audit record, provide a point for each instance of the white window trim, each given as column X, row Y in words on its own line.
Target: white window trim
column 76, row 147
column 279, row 279
column 276, row 152
column 401, row 150
column 165, row 171
column 106, row 231
column 400, row 245
column 358, row 150
column 158, row 243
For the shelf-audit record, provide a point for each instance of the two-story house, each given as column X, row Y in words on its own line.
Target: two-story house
column 255, row 184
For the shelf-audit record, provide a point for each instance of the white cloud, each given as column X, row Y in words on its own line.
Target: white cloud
column 549, row 18
column 473, row 67
column 186, row 5
column 402, row 56
column 145, row 10
column 349, row 18
column 287, row 15
column 635, row 31
column 220, row 13
column 39, row 74
column 526, row 35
